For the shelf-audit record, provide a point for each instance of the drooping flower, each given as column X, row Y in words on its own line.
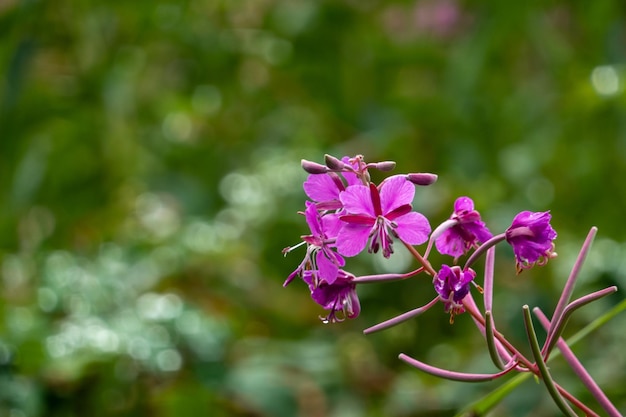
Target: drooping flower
column 339, row 298
column 320, row 256
column 380, row 213
column 531, row 237
column 452, row 284
column 468, row 231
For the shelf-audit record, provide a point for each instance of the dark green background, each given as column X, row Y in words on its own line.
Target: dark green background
column 149, row 178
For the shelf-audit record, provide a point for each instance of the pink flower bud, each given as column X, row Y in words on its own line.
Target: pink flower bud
column 422, row 178
column 384, row 166
column 313, row 167
column 334, row 163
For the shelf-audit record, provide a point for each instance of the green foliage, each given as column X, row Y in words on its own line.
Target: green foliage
column 149, row 178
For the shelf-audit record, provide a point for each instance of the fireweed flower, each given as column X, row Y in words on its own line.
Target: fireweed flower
column 468, row 232
column 319, row 257
column 531, row 237
column 452, row 284
column 339, row 298
column 380, row 213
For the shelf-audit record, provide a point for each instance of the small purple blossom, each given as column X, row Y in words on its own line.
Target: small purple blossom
column 468, row 232
column 380, row 213
column 453, row 284
column 531, row 237
column 319, row 257
column 340, row 297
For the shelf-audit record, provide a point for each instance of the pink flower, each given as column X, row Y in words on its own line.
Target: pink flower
column 381, row 213
column 338, row 297
column 531, row 237
column 469, row 231
column 452, row 285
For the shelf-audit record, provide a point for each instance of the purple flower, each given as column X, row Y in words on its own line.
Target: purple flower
column 340, row 297
column 531, row 237
column 380, row 213
column 469, row 231
column 319, row 255
column 452, row 284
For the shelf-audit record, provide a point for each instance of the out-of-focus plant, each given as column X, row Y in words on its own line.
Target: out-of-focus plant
column 348, row 213
column 146, row 166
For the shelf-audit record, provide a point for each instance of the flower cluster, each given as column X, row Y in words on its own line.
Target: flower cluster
column 347, row 213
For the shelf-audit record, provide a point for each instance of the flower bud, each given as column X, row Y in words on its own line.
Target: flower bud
column 384, row 166
column 334, row 163
column 313, row 167
column 422, row 178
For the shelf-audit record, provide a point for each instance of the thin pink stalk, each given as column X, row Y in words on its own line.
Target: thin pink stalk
column 575, row 401
column 364, row 279
column 423, row 261
column 483, row 248
column 569, row 287
column 567, row 312
column 401, row 318
column 452, row 375
column 489, row 278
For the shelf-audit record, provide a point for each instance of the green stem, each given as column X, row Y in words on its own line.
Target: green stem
column 543, row 369
column 491, row 341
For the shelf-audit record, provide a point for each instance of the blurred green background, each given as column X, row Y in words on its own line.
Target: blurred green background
column 150, row 176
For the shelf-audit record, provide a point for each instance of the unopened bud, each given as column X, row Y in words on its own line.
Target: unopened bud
column 384, row 166
column 422, row 178
column 313, row 167
column 334, row 163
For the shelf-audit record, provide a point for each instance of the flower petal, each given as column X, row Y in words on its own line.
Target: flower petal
column 327, row 270
column 319, row 187
column 396, row 191
column 450, row 243
column 479, row 230
column 463, row 204
column 399, row 211
column 331, row 225
column 413, row 228
column 357, row 200
column 313, row 219
column 352, row 239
